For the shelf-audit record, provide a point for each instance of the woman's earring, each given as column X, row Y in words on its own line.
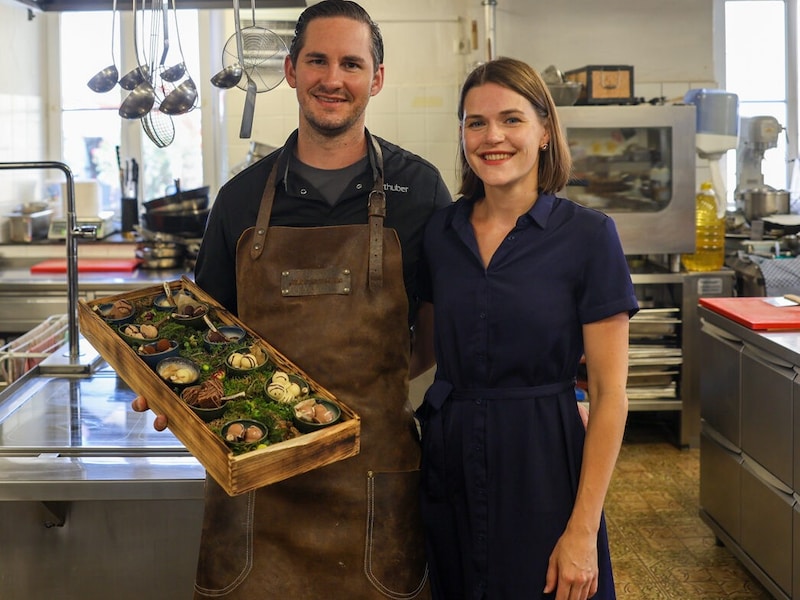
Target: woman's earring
column 544, row 147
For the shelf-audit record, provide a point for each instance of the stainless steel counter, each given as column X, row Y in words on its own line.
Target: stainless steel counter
column 95, row 502
column 28, row 299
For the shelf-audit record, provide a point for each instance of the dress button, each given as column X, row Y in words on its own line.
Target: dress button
column 303, row 192
column 478, row 401
column 482, row 315
column 359, row 186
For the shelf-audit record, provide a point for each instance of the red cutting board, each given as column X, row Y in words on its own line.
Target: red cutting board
column 87, row 265
column 755, row 312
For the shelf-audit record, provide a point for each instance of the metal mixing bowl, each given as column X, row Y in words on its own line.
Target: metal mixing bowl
column 566, row 93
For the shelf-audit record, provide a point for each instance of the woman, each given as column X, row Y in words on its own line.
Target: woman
column 523, row 283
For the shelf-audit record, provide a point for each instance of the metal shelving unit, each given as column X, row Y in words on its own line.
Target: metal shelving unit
column 664, row 359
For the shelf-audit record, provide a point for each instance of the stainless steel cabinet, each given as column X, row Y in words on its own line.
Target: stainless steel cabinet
column 94, row 503
column 767, row 385
column 749, row 455
column 126, row 549
column 721, row 482
column 720, row 397
column 796, row 530
column 766, row 514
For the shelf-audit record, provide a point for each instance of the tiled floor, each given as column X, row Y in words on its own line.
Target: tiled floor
column 660, row 548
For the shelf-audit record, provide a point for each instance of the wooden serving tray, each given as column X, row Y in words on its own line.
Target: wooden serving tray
column 235, row 473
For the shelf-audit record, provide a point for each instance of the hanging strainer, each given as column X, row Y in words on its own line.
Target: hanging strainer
column 263, row 53
column 159, row 127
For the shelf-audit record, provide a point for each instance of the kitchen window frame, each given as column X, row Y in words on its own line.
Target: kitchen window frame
column 792, row 77
column 211, row 25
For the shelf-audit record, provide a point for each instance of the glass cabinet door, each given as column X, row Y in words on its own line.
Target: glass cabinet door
column 621, row 169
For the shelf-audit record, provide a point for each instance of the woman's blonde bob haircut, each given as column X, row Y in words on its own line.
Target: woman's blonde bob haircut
column 555, row 163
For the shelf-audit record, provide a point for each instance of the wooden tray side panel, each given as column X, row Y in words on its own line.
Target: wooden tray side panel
column 235, row 473
column 340, row 442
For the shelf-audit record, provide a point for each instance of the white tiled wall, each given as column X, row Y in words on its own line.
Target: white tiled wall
column 428, row 52
column 22, row 109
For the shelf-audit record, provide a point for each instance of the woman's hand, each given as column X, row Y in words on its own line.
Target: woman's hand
column 572, row 570
column 139, row 404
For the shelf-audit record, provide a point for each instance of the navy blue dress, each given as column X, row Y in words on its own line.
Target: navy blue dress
column 502, row 437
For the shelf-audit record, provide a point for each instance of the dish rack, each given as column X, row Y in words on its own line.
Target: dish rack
column 22, row 354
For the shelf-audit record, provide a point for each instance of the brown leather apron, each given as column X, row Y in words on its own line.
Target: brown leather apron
column 332, row 300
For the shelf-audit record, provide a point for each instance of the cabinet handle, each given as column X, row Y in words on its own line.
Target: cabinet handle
column 718, row 332
column 769, row 358
column 765, row 476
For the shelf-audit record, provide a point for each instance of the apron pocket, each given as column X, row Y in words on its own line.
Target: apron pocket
column 394, row 556
column 226, row 547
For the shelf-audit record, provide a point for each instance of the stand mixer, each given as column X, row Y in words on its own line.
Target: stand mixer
column 717, row 132
column 753, row 198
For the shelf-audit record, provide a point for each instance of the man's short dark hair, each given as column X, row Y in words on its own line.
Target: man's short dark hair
column 336, row 8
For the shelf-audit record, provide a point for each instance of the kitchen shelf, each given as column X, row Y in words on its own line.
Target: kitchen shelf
column 663, row 355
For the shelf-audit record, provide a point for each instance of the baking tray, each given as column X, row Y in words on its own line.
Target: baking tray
column 236, row 473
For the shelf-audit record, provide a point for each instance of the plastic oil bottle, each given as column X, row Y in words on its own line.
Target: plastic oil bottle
column 709, row 254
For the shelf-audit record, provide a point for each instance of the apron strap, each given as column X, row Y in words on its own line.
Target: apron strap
column 264, row 213
column 377, row 213
column 376, row 210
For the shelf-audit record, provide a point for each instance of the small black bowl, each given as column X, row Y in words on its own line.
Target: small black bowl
column 132, row 339
column 287, row 388
column 195, row 320
column 239, row 371
column 109, row 311
column 206, row 414
column 234, row 438
column 178, row 372
column 154, row 358
column 234, row 333
column 307, row 425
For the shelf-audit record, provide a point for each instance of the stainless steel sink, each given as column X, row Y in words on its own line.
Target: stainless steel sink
column 78, row 416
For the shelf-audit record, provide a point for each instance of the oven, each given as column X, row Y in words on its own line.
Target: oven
column 636, row 164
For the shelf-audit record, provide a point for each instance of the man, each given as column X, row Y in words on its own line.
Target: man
column 325, row 269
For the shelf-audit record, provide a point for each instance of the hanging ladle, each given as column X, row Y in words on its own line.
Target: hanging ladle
column 134, row 77
column 231, row 75
column 180, row 100
column 175, row 72
column 228, row 77
column 139, row 102
column 105, row 80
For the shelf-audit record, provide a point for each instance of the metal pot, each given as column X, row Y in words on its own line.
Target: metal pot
column 161, row 263
column 763, row 202
column 196, row 199
column 187, row 223
column 160, row 250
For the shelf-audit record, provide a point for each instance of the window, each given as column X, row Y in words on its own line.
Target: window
column 756, row 51
column 95, row 141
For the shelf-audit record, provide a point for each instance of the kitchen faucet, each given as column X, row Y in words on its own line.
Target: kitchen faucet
column 73, row 233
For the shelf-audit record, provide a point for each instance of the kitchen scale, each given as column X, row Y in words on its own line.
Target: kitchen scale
column 103, row 222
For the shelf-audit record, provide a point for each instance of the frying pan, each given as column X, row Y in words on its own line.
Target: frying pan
column 196, row 199
column 187, row 223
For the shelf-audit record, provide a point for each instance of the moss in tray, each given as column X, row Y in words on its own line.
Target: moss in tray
column 255, row 405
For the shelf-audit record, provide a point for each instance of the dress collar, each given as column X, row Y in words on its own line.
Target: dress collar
column 539, row 213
